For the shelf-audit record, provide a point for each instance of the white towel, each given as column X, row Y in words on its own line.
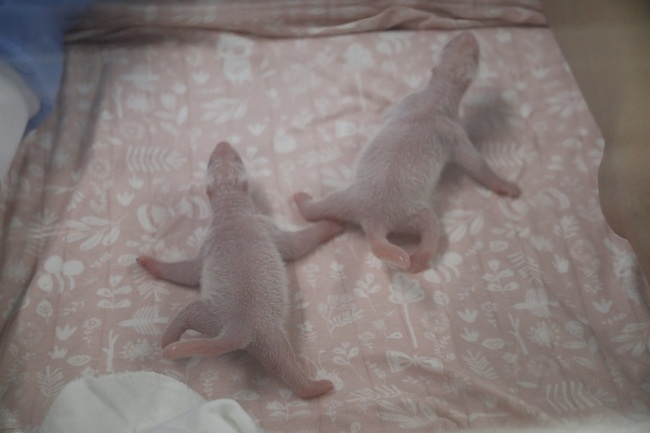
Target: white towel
column 142, row 402
column 17, row 105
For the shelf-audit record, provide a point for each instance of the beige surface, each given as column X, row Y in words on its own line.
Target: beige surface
column 607, row 45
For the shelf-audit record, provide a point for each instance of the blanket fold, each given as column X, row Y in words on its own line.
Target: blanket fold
column 114, row 19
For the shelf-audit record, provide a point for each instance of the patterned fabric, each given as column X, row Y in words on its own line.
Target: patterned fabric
column 531, row 314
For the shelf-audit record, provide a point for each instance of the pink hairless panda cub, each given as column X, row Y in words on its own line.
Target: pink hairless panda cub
column 240, row 268
column 397, row 172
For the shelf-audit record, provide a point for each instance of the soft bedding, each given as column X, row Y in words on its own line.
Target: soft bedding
column 532, row 313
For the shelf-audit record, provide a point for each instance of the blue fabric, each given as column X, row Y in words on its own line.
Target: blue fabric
column 31, row 40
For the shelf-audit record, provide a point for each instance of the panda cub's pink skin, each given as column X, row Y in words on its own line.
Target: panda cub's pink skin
column 244, row 298
column 397, row 172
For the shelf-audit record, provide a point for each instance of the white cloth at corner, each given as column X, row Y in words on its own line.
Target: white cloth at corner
column 141, row 402
column 17, row 105
column 222, row 416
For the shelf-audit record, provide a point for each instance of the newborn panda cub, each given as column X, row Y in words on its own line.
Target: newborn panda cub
column 397, row 172
column 244, row 297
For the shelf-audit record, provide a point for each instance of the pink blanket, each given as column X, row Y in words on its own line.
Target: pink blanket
column 531, row 314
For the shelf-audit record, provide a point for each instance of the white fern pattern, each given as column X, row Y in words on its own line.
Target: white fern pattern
column 154, row 160
column 146, row 321
column 537, row 302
